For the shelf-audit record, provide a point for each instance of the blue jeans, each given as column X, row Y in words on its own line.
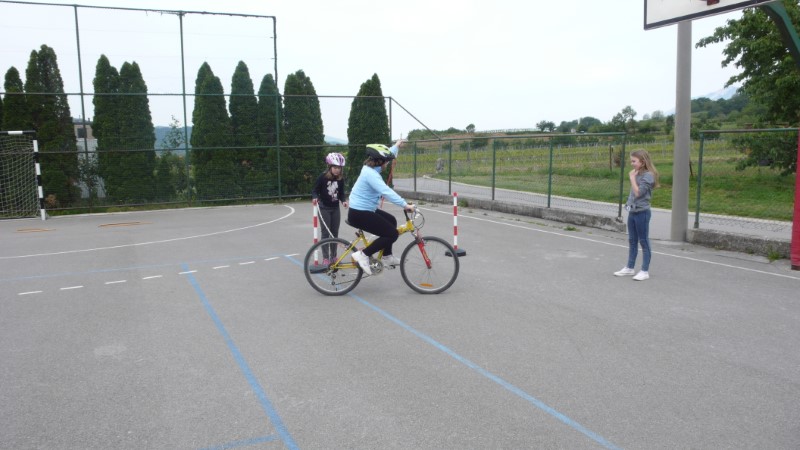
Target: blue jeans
column 639, row 233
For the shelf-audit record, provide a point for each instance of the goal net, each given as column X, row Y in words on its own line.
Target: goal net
column 20, row 177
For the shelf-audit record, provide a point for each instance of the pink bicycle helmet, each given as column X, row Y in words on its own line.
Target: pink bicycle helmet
column 335, row 159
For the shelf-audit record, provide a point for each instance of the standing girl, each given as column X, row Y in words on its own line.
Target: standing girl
column 643, row 178
column 329, row 192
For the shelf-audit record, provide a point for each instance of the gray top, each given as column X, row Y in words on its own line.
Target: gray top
column 642, row 202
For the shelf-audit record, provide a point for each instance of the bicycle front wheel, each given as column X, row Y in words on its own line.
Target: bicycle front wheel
column 436, row 277
column 340, row 276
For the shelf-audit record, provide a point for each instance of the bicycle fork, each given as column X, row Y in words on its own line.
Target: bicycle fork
column 421, row 245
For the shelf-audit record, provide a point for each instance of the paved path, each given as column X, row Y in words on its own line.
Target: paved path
column 660, row 224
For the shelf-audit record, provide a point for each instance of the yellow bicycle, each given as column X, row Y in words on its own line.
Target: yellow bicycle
column 428, row 265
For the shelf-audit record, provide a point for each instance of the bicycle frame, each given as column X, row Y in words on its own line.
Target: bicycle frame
column 361, row 242
column 430, row 269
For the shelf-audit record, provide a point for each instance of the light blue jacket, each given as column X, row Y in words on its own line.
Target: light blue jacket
column 370, row 187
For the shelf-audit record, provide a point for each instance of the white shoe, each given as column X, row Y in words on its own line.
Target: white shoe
column 624, row 272
column 363, row 261
column 390, row 260
column 641, row 276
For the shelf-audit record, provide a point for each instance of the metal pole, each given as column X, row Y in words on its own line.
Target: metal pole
column 683, row 111
column 795, row 245
column 83, row 105
column 186, row 155
column 550, row 174
column 494, row 169
column 699, row 182
column 450, row 167
column 415, row 166
column 277, row 104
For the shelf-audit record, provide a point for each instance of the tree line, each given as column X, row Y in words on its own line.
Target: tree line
column 235, row 149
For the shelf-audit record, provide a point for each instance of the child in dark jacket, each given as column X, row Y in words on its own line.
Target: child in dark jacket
column 329, row 193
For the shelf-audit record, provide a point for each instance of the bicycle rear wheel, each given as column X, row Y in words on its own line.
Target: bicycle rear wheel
column 340, row 276
column 442, row 272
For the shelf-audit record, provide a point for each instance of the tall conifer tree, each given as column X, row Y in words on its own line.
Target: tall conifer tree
column 106, row 127
column 138, row 134
column 52, row 120
column 215, row 173
column 270, row 122
column 249, row 159
column 368, row 124
column 16, row 115
column 304, row 135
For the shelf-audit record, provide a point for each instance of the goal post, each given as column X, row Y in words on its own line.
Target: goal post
column 21, row 193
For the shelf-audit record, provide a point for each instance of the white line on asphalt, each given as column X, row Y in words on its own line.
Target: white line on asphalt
column 220, row 267
column 30, row 292
column 153, row 276
column 156, row 242
column 115, row 282
column 71, row 287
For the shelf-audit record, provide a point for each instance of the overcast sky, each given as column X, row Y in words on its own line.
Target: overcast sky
column 496, row 64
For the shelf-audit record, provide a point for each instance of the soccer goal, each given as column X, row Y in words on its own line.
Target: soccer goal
column 20, row 176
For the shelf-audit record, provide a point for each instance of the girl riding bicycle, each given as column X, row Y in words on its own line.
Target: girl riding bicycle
column 364, row 200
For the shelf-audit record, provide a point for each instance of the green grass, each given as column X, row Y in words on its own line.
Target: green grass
column 592, row 174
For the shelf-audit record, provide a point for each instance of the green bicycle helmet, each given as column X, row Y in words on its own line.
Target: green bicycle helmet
column 379, row 152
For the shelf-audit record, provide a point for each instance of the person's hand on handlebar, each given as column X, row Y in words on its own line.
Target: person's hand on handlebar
column 410, row 208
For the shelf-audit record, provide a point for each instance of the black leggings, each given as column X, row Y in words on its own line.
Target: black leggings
column 379, row 223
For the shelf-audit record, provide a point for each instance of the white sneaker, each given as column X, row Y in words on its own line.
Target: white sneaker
column 363, row 261
column 641, row 276
column 390, row 260
column 624, row 272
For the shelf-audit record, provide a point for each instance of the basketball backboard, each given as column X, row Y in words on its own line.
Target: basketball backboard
column 658, row 13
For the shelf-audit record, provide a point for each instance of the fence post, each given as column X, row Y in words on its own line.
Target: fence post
column 494, row 168
column 795, row 245
column 699, row 182
column 550, row 173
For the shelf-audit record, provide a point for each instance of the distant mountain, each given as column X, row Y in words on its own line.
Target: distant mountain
column 335, row 141
column 725, row 93
column 162, row 131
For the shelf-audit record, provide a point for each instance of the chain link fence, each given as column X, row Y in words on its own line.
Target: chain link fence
column 744, row 178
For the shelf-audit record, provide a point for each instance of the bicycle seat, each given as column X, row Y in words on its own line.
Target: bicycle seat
column 358, row 230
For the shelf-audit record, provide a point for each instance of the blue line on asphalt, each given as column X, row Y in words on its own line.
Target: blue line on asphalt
column 517, row 391
column 242, row 443
column 510, row 387
column 266, row 404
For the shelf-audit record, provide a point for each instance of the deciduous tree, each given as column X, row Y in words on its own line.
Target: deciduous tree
column 767, row 72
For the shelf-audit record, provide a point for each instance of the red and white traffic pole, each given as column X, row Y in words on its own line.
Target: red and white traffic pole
column 315, row 223
column 461, row 252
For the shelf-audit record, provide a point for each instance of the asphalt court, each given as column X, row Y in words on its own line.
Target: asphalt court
column 196, row 329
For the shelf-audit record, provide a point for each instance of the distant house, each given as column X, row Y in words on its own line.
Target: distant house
column 87, row 155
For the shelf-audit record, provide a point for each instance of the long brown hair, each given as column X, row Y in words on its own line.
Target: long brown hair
column 647, row 163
